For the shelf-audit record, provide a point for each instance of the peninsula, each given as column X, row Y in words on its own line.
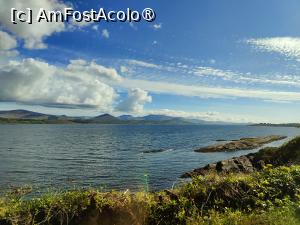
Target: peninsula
column 242, row 144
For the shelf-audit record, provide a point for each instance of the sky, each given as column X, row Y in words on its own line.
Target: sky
column 234, row 61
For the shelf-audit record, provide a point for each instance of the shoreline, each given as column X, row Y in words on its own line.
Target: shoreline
column 248, row 163
column 248, row 143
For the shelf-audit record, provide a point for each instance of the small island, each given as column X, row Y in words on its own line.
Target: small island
column 242, row 144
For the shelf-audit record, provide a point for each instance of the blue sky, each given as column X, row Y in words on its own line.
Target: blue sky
column 232, row 60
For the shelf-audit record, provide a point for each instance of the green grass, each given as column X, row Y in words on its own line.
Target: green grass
column 289, row 153
column 267, row 197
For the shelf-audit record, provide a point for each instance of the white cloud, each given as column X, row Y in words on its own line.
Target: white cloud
column 95, row 27
column 35, row 82
column 288, row 46
column 143, row 64
column 210, row 92
column 285, row 80
column 209, row 71
column 135, row 101
column 105, row 33
column 124, row 69
column 157, row 26
column 81, row 67
column 5, row 54
column 32, row 34
column 7, row 44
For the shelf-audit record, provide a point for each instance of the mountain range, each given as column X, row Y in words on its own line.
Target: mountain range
column 24, row 116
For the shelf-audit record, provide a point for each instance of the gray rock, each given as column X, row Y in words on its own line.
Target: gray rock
column 242, row 144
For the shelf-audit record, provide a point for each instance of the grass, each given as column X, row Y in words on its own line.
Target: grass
column 268, row 197
column 287, row 154
column 271, row 196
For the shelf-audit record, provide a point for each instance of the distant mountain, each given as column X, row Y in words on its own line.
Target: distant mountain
column 24, row 116
column 106, row 118
column 34, row 117
column 128, row 119
column 164, row 119
column 152, row 118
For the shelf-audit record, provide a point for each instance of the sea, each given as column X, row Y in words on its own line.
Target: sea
column 113, row 157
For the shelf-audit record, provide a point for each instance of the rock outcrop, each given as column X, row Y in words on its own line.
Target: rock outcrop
column 287, row 154
column 242, row 144
column 246, row 164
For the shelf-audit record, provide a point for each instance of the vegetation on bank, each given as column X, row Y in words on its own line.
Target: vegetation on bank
column 271, row 196
column 285, row 155
column 268, row 197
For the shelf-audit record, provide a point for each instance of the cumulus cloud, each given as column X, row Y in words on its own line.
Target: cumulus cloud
column 7, row 44
column 105, row 33
column 32, row 34
column 80, row 66
column 35, row 82
column 135, row 101
column 5, row 54
column 288, row 46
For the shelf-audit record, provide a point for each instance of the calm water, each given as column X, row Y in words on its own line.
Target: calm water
column 111, row 156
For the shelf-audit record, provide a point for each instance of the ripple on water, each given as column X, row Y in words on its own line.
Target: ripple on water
column 112, row 156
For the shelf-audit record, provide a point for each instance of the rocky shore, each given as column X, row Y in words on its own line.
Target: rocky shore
column 285, row 155
column 246, row 164
column 242, row 144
